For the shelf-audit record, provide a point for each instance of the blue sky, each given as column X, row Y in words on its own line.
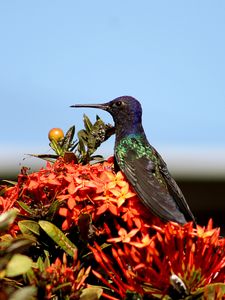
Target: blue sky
column 168, row 54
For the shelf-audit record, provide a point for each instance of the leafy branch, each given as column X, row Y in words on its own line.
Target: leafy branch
column 80, row 150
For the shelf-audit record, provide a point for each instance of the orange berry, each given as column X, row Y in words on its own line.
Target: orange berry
column 56, row 134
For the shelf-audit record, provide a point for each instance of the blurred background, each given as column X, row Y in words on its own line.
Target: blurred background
column 167, row 54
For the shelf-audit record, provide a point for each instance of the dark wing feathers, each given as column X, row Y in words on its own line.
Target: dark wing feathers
column 174, row 190
column 167, row 203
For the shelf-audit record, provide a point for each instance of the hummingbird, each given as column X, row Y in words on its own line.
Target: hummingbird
column 142, row 165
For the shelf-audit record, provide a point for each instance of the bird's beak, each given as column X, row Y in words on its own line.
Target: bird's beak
column 103, row 106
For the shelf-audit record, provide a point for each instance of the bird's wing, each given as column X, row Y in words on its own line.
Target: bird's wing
column 174, row 189
column 141, row 173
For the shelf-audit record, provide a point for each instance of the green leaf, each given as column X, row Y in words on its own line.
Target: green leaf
column 11, row 182
column 7, row 218
column 19, row 245
column 19, row 264
column 30, row 275
column 82, row 140
column 103, row 246
column 62, row 286
column 92, row 144
column 56, row 147
column 46, row 157
column 96, row 159
column 58, row 237
column 25, row 293
column 26, row 207
column 82, row 134
column 40, row 264
column 47, row 260
column 68, row 139
column 156, row 293
column 52, row 210
column 211, row 291
column 91, row 293
column 29, row 227
column 43, row 263
column 87, row 123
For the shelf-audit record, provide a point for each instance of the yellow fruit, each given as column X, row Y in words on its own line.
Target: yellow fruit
column 55, row 134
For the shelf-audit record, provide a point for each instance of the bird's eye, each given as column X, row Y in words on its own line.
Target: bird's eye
column 118, row 103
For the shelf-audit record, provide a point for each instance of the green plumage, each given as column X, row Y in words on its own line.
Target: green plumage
column 137, row 144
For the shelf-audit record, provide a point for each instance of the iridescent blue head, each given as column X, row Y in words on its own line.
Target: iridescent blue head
column 126, row 112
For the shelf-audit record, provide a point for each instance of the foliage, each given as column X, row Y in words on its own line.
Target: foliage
column 82, row 149
column 78, row 231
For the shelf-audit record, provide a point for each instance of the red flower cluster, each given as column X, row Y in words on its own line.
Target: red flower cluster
column 93, row 189
column 147, row 265
column 134, row 251
column 70, row 277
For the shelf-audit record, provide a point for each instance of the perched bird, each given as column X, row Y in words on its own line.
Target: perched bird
column 141, row 163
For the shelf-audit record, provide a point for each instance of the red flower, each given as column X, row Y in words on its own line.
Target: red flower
column 124, row 236
column 70, row 278
column 149, row 263
column 138, row 253
column 8, row 200
column 108, row 203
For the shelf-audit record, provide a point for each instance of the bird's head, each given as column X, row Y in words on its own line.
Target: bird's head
column 124, row 110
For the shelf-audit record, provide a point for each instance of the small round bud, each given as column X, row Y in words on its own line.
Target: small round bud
column 55, row 134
